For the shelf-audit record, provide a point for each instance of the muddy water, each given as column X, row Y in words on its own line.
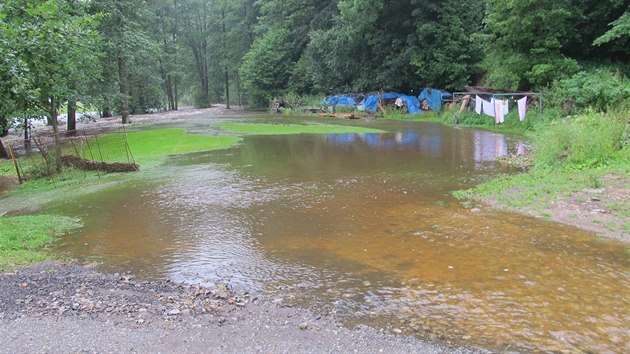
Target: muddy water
column 363, row 226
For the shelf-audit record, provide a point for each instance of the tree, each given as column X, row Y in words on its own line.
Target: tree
column 445, row 47
column 266, row 66
column 524, row 41
column 620, row 31
column 194, row 15
column 54, row 42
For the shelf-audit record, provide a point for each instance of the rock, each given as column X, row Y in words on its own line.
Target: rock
column 594, row 191
column 303, row 325
column 475, row 210
column 174, row 312
column 397, row 330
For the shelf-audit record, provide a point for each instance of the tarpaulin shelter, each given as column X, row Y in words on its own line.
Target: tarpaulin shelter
column 370, row 102
column 412, row 103
column 434, row 98
column 340, row 101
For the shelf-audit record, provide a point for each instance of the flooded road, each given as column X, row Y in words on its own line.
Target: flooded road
column 364, row 226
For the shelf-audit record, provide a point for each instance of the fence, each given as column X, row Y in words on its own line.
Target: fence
column 77, row 154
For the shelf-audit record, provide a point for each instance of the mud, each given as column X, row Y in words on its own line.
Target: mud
column 73, row 308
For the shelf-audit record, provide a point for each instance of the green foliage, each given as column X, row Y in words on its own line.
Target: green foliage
column 47, row 49
column 620, row 30
column 445, row 48
column 524, row 41
column 598, row 89
column 586, row 141
column 22, row 238
column 266, row 68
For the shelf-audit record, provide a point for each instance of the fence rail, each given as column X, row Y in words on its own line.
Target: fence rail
column 79, row 153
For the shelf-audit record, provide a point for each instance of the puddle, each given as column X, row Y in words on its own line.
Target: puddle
column 364, row 226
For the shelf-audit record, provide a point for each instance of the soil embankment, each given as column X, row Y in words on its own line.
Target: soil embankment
column 71, row 308
column 604, row 210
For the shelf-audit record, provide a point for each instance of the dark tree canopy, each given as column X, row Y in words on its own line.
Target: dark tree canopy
column 128, row 57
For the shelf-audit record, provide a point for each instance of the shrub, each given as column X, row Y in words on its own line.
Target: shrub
column 598, row 89
column 589, row 140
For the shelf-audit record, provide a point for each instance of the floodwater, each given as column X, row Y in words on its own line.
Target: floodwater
column 363, row 227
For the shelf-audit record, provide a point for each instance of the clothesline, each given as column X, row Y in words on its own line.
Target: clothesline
column 499, row 108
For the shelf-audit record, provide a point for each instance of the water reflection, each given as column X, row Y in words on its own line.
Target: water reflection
column 485, row 147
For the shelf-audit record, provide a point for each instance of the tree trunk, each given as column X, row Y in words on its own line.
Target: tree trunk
column 72, row 117
column 124, row 90
column 107, row 110
column 227, row 76
column 55, row 125
column 238, row 89
column 3, row 152
column 175, row 95
column 227, row 89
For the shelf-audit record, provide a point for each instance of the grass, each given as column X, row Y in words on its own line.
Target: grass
column 7, row 168
column 23, row 239
column 535, row 189
column 151, row 146
column 570, row 154
column 283, row 129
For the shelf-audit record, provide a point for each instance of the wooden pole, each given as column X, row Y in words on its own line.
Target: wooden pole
column 15, row 163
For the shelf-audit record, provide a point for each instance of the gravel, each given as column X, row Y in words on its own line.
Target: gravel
column 72, row 308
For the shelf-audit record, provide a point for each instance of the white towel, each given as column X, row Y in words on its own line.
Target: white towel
column 478, row 104
column 488, row 107
column 522, row 108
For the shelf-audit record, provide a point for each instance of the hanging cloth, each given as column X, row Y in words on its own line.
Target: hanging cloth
column 522, row 108
column 488, row 107
column 499, row 115
column 478, row 104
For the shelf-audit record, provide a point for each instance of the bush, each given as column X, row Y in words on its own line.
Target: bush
column 598, row 89
column 586, row 141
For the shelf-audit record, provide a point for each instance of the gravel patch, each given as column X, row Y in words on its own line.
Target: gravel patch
column 71, row 308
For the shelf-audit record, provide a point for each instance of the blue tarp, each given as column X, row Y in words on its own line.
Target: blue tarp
column 434, row 97
column 412, row 103
column 340, row 101
column 369, row 102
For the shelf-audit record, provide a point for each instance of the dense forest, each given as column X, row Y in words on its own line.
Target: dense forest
column 133, row 56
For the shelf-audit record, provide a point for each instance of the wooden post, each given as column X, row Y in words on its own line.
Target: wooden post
column 15, row 163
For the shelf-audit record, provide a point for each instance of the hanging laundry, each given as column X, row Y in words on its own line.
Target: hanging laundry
column 522, row 108
column 478, row 104
column 499, row 116
column 504, row 104
column 488, row 107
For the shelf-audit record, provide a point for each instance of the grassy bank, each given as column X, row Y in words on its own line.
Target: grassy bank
column 587, row 152
column 23, row 239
